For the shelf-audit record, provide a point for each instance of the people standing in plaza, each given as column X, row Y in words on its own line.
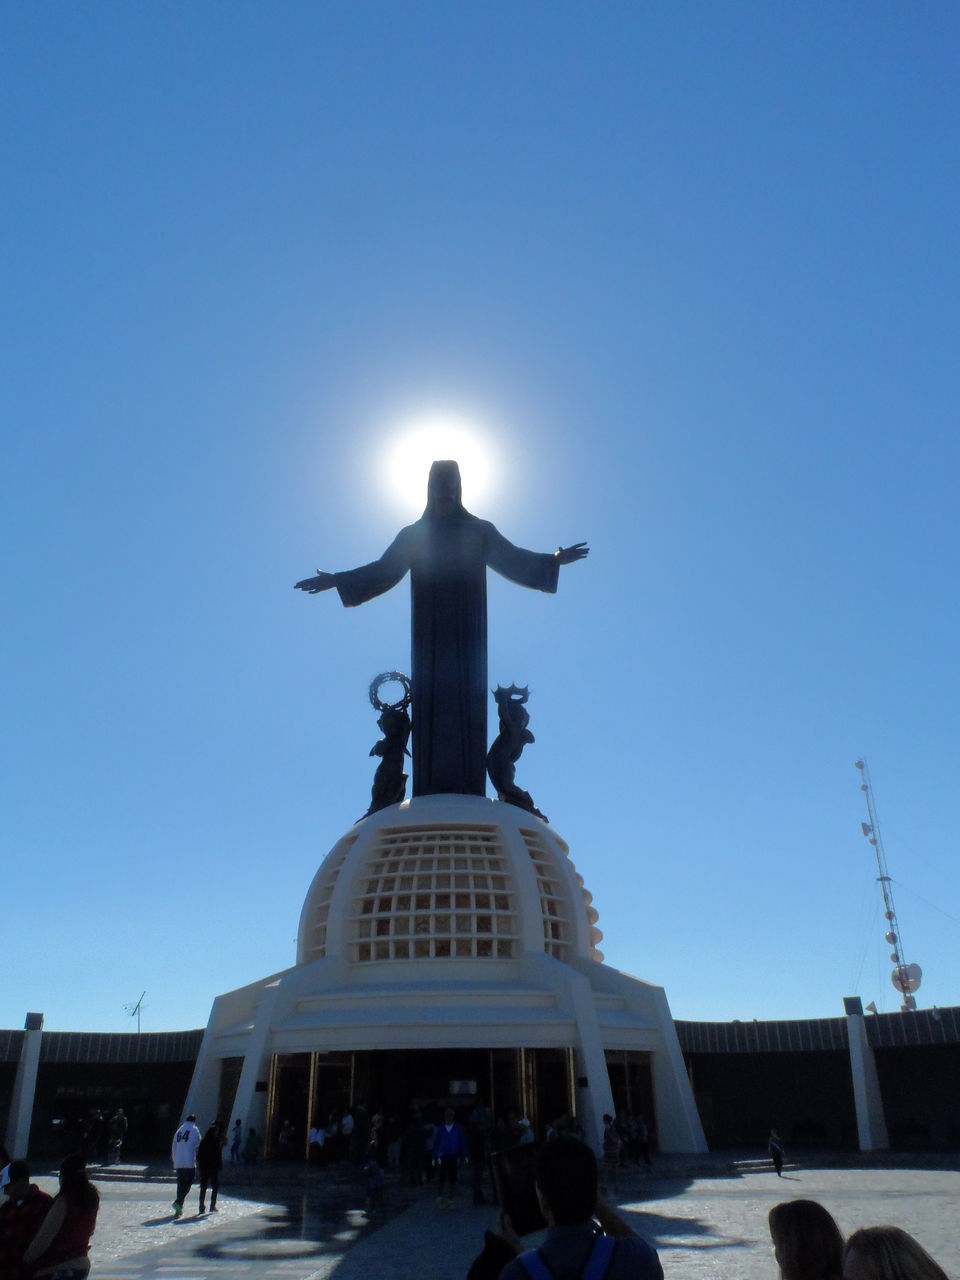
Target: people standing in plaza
column 429, row 1133
column 209, row 1163
column 807, row 1243
column 285, row 1139
column 413, row 1148
column 365, row 1131
column 642, row 1135
column 627, row 1128
column 236, row 1141
column 887, row 1253
column 61, row 1248
column 512, row 1132
column 252, row 1147
column 376, row 1182
column 526, row 1132
column 448, row 1149
column 346, row 1134
column 85, row 1136
column 118, row 1131
column 478, row 1147
column 775, row 1147
column 393, row 1137
column 99, row 1137
column 315, row 1140
column 332, row 1145
column 610, row 1145
column 184, row 1155
column 22, row 1211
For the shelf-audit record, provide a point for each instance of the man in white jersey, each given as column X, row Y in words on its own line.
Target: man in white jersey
column 184, row 1154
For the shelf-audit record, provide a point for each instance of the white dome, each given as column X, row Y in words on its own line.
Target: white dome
column 447, row 879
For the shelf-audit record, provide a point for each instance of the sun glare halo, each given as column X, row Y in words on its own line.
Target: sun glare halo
column 414, row 445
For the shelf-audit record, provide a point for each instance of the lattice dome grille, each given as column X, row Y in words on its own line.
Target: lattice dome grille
column 429, row 893
column 321, row 909
column 553, row 907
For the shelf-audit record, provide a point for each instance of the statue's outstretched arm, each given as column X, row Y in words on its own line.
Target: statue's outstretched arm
column 567, row 555
column 322, row 582
column 357, row 585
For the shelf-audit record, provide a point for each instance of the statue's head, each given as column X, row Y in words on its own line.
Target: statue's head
column 444, row 495
column 393, row 721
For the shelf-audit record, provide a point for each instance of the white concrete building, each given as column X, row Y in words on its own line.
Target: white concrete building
column 447, row 945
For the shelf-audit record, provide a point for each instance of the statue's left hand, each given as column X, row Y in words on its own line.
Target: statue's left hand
column 567, row 555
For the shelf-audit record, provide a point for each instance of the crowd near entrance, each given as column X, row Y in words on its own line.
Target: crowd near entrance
column 522, row 1088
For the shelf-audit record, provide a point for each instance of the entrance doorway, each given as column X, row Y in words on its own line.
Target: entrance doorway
column 536, row 1083
column 631, row 1083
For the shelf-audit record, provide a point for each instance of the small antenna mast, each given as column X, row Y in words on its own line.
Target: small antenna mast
column 905, row 977
column 134, row 1009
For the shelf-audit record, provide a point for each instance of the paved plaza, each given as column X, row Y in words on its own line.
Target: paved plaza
column 284, row 1224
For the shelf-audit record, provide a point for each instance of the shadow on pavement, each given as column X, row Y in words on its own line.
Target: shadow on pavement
column 664, row 1231
column 299, row 1189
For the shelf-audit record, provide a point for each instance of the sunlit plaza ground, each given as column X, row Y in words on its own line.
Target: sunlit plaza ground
column 290, row 1224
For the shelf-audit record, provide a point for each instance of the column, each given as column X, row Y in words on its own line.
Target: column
column 871, row 1123
column 24, row 1088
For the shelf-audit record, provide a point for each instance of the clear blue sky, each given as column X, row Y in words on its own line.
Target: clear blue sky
column 695, row 269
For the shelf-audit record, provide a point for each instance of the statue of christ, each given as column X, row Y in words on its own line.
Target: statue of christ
column 447, row 552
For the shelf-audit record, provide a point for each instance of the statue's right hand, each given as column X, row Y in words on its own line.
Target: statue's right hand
column 322, row 582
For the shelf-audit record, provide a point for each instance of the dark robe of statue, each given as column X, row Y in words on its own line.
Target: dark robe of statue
column 447, row 552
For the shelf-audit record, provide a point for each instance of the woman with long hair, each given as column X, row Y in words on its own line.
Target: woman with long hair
column 807, row 1243
column 887, row 1253
column 62, row 1245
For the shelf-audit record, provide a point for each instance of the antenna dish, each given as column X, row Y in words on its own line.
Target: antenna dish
column 906, row 978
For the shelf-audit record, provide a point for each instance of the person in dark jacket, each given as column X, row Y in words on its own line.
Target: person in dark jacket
column 448, row 1148
column 209, row 1163
column 478, row 1144
column 117, row 1129
column 414, row 1148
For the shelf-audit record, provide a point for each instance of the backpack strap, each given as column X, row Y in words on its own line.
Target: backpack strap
column 597, row 1264
column 601, row 1256
column 535, row 1266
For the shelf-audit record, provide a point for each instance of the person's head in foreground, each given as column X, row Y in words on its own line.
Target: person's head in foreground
column 18, row 1175
column 75, row 1186
column 807, row 1243
column 887, row 1253
column 566, row 1182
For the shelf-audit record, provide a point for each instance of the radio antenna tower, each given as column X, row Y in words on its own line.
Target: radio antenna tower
column 134, row 1010
column 905, row 977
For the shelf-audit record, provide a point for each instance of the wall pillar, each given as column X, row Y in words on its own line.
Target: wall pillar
column 17, row 1139
column 590, row 1063
column 250, row 1104
column 871, row 1123
column 678, row 1120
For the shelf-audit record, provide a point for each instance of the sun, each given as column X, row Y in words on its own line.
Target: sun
column 417, row 442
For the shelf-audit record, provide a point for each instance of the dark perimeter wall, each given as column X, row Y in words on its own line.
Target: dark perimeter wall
column 747, row 1078
column 808, row 1097
column 82, row 1073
